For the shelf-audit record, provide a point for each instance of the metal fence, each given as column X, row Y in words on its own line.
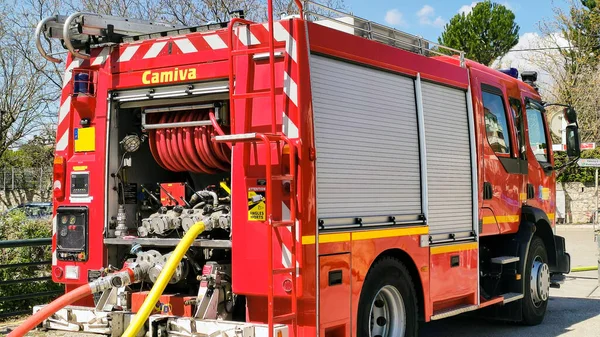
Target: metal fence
column 30, row 179
column 25, row 284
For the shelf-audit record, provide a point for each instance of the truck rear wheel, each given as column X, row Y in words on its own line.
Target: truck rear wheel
column 388, row 304
column 537, row 283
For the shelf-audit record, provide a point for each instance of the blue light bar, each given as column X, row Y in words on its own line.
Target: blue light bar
column 512, row 72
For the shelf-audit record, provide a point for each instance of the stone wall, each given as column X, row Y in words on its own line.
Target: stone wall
column 580, row 202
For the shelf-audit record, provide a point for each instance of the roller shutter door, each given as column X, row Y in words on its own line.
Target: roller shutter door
column 449, row 183
column 366, row 141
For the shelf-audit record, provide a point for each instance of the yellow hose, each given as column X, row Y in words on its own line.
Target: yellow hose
column 163, row 278
column 587, row 268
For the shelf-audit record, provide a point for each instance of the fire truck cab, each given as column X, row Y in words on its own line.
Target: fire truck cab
column 317, row 175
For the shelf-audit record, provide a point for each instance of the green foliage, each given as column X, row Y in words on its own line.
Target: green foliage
column 16, row 226
column 30, row 155
column 486, row 33
column 574, row 173
column 591, row 4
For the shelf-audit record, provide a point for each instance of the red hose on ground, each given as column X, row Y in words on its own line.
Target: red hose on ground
column 48, row 310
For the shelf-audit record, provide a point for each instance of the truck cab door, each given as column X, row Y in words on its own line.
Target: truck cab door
column 540, row 182
column 502, row 164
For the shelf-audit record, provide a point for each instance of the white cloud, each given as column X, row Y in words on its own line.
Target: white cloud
column 439, row 22
column 466, row 9
column 426, row 17
column 394, row 17
column 524, row 59
column 425, row 13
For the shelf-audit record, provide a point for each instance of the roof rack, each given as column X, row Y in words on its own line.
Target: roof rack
column 355, row 25
column 84, row 30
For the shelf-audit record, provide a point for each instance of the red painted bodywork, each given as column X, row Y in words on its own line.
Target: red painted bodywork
column 441, row 285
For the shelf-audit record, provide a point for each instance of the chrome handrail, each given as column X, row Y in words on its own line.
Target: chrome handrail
column 67, row 35
column 38, row 41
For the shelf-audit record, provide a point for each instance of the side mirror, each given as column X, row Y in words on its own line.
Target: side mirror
column 573, row 143
column 536, row 105
column 570, row 115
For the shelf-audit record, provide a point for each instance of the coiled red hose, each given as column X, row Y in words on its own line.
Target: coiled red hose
column 189, row 149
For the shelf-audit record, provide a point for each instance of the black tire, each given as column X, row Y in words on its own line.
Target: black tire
column 388, row 271
column 532, row 314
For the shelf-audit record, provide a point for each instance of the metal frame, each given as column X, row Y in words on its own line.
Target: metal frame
column 37, row 242
column 207, row 122
column 422, row 147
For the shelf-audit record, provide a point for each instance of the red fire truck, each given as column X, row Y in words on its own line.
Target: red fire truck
column 314, row 175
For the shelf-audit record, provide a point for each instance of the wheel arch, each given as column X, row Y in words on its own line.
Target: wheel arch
column 409, row 263
column 542, row 230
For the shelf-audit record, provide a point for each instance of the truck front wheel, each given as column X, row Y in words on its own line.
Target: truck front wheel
column 388, row 304
column 537, row 283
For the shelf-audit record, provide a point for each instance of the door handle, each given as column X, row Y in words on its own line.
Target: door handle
column 488, row 191
column 530, row 191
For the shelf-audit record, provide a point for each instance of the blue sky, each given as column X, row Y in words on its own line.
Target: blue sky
column 427, row 18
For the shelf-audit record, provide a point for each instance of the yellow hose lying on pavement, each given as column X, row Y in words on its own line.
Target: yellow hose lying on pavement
column 163, row 278
column 588, row 268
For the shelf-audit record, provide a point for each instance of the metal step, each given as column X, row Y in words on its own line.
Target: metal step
column 505, row 259
column 453, row 311
column 511, row 297
column 556, row 280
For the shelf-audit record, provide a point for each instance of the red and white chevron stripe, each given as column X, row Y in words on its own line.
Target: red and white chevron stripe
column 63, row 127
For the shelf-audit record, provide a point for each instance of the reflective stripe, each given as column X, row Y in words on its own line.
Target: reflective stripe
column 101, row 58
column 290, row 88
column 155, row 49
column 62, row 143
column 185, row 45
column 246, row 36
column 64, row 109
column 454, row 248
column 365, row 235
column 128, row 53
column 289, row 128
column 489, row 220
column 215, row 41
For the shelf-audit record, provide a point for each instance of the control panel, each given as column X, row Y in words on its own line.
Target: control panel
column 80, row 183
column 71, row 236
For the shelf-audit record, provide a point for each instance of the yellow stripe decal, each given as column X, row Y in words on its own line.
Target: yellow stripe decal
column 454, row 248
column 388, row 233
column 79, row 168
column 488, row 220
column 550, row 216
column 337, row 237
column 364, row 235
column 308, row 240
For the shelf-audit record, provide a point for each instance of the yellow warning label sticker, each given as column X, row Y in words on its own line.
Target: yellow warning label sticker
column 257, row 210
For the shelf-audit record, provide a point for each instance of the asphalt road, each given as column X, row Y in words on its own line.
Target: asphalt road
column 574, row 309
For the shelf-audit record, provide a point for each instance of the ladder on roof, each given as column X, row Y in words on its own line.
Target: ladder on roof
column 268, row 139
column 351, row 24
column 80, row 31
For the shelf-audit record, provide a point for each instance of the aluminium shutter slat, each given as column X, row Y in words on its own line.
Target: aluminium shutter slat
column 448, row 159
column 366, row 141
